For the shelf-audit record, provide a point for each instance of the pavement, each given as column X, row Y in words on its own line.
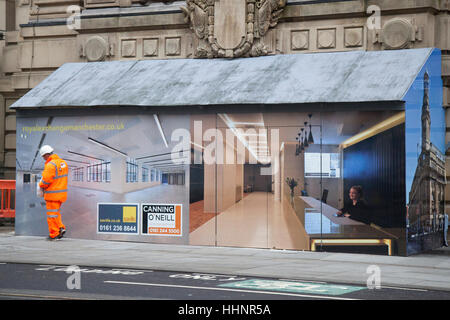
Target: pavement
column 424, row 271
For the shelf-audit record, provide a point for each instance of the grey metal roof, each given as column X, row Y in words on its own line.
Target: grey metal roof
column 357, row 76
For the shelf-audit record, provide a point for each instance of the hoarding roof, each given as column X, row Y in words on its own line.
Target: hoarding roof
column 356, row 76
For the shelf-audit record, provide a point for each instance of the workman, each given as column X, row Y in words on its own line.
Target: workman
column 54, row 185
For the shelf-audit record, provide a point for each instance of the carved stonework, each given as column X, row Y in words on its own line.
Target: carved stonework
column 398, row 33
column 231, row 28
column 96, row 48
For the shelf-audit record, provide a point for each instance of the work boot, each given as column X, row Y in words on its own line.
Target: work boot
column 62, row 231
column 53, row 239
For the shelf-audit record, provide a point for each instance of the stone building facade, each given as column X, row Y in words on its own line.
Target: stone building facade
column 38, row 36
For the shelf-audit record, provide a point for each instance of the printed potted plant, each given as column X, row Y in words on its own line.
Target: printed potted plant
column 292, row 183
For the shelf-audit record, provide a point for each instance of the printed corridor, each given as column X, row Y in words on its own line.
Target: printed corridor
column 258, row 220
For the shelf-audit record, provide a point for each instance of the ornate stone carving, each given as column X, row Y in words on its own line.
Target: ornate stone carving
column 397, row 34
column 353, row 37
column 128, row 48
column 299, row 40
column 173, row 46
column 96, row 48
column 150, row 47
column 231, row 28
column 326, row 38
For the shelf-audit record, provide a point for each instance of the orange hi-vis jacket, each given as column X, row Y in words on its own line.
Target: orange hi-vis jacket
column 54, row 179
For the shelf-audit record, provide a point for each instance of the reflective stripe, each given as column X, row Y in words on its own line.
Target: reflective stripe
column 52, row 216
column 52, row 210
column 47, row 183
column 55, row 191
column 56, row 169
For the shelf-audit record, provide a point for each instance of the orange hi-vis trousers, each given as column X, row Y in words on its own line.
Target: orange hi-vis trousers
column 54, row 218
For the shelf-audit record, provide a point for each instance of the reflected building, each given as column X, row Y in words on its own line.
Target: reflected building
column 426, row 198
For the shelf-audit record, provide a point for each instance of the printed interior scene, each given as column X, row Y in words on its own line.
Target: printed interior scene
column 111, row 159
column 283, row 180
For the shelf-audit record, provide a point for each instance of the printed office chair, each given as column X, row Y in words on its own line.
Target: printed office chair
column 324, row 195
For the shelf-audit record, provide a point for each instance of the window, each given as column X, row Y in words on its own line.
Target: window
column 106, row 170
column 132, row 170
column 10, row 15
column 99, row 172
column 153, row 175
column 330, row 165
column 78, row 174
column 92, row 172
column 144, row 174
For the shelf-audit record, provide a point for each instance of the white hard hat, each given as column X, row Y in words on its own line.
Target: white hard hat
column 45, row 149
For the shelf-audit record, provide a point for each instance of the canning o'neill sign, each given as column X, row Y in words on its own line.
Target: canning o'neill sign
column 161, row 219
